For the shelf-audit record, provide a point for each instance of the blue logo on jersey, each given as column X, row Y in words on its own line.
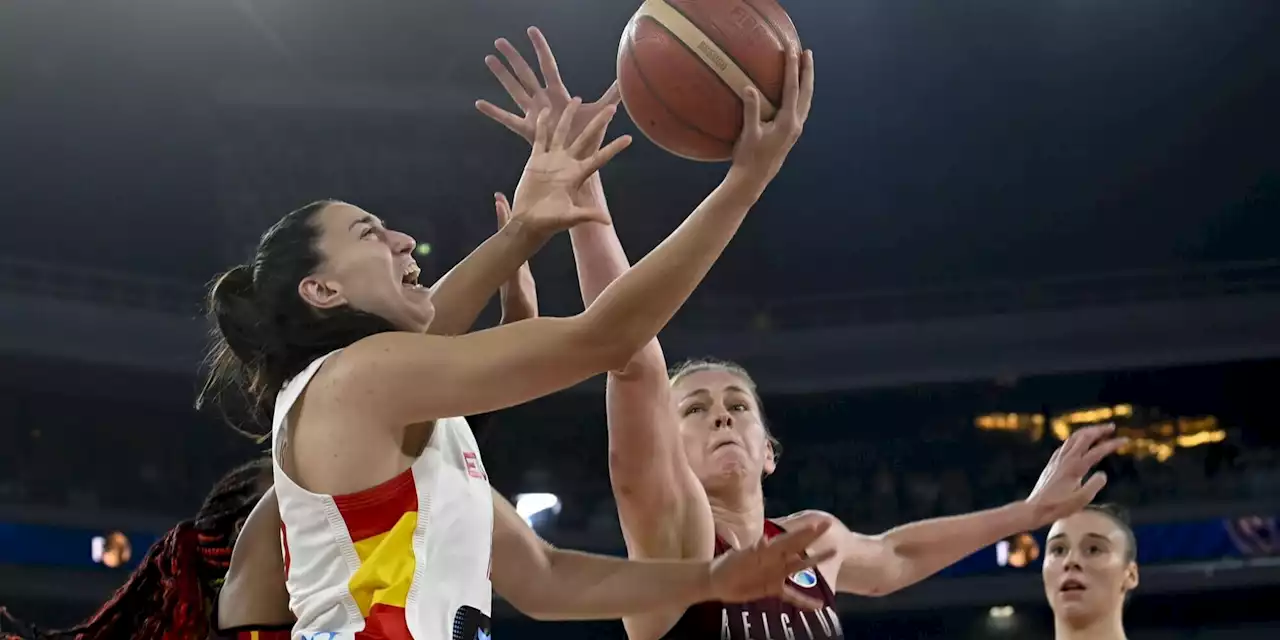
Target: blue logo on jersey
column 806, row 579
column 481, row 635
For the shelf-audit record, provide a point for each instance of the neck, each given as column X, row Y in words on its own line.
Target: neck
column 1107, row 627
column 739, row 514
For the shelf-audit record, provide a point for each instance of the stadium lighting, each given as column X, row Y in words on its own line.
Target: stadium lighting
column 537, row 506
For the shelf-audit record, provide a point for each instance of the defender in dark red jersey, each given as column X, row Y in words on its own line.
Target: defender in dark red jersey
column 688, row 454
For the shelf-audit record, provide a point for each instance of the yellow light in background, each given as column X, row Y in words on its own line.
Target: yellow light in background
column 1159, row 440
column 1204, row 437
column 423, row 249
column 1061, row 430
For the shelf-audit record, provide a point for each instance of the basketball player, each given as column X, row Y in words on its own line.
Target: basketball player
column 389, row 523
column 1090, row 568
column 165, row 597
column 688, row 455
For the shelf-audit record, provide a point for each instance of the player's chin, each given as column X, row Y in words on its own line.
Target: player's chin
column 419, row 313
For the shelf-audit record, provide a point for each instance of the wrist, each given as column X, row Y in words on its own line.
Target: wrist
column 704, row 586
column 747, row 181
column 525, row 237
column 1027, row 515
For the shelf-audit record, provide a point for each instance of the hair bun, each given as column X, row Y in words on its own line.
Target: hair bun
column 235, row 283
column 233, row 308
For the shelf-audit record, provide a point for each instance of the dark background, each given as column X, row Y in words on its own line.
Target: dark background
column 996, row 207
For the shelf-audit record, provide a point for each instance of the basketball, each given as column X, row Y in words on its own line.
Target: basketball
column 683, row 66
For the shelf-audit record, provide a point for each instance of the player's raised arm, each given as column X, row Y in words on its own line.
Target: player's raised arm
column 647, row 467
column 547, row 583
column 898, row 558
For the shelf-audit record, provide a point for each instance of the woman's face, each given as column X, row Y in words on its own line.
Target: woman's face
column 1087, row 567
column 369, row 267
column 724, row 438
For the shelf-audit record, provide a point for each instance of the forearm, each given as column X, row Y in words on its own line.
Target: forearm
column 462, row 294
column 921, row 549
column 581, row 586
column 639, row 303
column 600, row 259
column 597, row 252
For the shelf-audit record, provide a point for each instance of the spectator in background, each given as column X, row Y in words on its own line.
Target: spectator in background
column 1090, row 567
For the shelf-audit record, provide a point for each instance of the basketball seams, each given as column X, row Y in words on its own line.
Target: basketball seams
column 777, row 31
column 711, row 36
column 657, row 96
column 652, row 8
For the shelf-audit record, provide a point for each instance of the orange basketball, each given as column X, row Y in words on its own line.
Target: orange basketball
column 683, row 66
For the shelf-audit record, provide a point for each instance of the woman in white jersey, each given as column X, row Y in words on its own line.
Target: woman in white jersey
column 388, row 521
column 688, row 456
column 1090, row 568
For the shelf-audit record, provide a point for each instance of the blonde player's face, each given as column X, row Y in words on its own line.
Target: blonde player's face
column 1086, row 567
column 368, row 267
column 724, row 438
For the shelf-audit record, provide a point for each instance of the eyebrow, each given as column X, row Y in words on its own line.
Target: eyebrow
column 367, row 219
column 704, row 392
column 695, row 392
column 1098, row 536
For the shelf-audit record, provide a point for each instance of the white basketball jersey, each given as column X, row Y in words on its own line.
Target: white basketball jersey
column 405, row 560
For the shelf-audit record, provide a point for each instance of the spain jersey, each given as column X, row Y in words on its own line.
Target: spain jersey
column 405, row 560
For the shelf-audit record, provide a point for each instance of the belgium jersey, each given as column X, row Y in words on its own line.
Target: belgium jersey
column 767, row 619
column 405, row 560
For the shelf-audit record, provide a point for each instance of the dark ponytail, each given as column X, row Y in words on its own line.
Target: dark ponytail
column 167, row 596
column 234, row 311
column 264, row 333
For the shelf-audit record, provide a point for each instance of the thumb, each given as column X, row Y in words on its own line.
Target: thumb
column 503, row 208
column 732, row 539
column 612, row 95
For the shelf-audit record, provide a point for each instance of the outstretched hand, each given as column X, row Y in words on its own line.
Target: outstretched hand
column 1062, row 489
column 557, row 167
column 762, row 570
column 533, row 96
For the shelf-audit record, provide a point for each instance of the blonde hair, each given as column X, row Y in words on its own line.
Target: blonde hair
column 698, row 365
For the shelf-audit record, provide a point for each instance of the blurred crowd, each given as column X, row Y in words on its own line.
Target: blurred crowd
column 139, row 462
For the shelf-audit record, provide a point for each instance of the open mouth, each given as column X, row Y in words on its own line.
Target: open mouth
column 1070, row 586
column 409, row 277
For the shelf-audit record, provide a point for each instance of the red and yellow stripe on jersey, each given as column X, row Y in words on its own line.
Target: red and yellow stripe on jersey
column 381, row 521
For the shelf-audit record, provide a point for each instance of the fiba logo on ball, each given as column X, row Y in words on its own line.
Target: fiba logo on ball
column 806, row 579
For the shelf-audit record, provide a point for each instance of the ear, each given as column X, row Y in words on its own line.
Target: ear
column 1131, row 577
column 770, row 459
column 320, row 294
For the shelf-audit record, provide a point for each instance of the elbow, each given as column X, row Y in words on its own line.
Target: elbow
column 895, row 571
column 529, row 600
column 643, row 364
column 538, row 613
column 533, row 591
column 609, row 347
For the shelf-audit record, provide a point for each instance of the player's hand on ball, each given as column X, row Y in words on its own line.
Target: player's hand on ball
column 761, row 570
column 533, row 96
column 557, row 167
column 519, row 295
column 764, row 145
column 1062, row 489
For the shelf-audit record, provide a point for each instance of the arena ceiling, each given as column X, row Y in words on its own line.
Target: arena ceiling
column 948, row 144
